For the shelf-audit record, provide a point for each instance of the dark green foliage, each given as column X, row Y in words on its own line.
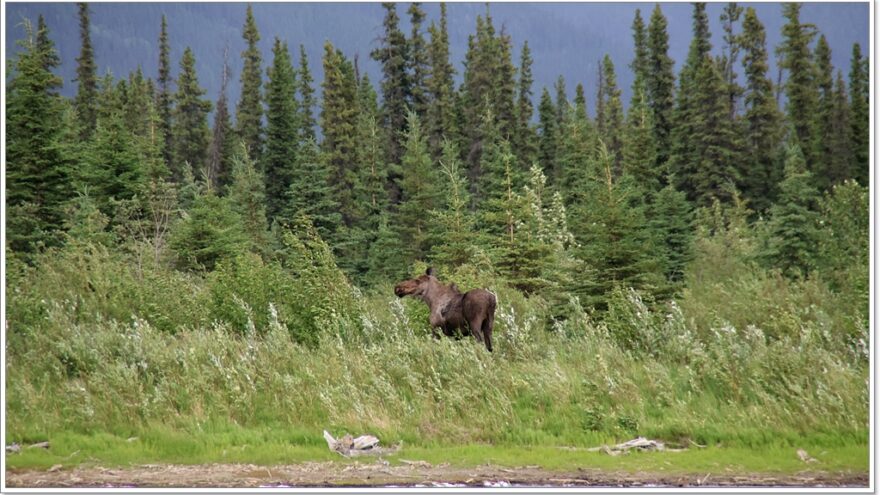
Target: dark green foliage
column 670, row 219
column 732, row 46
column 613, row 237
column 454, row 236
column 800, row 86
column 310, row 192
column 580, row 103
column 844, row 251
column 86, row 75
column 210, row 232
column 641, row 60
column 505, row 87
column 222, row 141
column 306, row 97
column 612, row 122
column 189, row 127
column 859, row 113
column 339, row 124
column 37, row 172
column 392, row 55
column 561, row 101
column 840, row 150
column 164, row 93
column 762, row 119
column 441, row 105
column 249, row 113
column 792, row 233
column 524, row 139
column 660, row 83
column 547, row 132
column 282, row 129
column 419, row 192
column 418, row 60
column 823, row 116
column 639, row 151
column 247, row 195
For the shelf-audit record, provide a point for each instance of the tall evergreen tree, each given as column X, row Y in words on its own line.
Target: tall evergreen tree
column 306, row 97
column 800, row 87
column 505, row 87
column 729, row 16
column 419, row 192
column 670, row 219
column 524, row 138
column 859, row 113
column 338, row 123
column 547, row 141
column 561, row 101
column 249, row 113
column 840, row 151
column 580, row 103
column 453, row 226
column 762, row 119
column 792, row 230
column 37, row 170
column 310, row 192
column 190, row 121
column 641, row 58
column 660, row 83
column 441, row 106
column 612, row 125
column 418, row 60
column 247, row 196
column 823, row 116
column 392, row 55
column 282, row 129
column 164, row 94
column 86, row 70
column 639, row 151
column 222, row 146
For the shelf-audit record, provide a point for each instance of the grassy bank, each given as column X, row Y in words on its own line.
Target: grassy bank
column 98, row 353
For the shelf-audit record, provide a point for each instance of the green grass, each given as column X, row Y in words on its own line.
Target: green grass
column 268, row 446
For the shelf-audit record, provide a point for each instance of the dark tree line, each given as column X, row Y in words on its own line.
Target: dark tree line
column 549, row 197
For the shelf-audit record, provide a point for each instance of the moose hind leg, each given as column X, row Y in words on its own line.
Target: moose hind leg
column 488, row 323
column 476, row 325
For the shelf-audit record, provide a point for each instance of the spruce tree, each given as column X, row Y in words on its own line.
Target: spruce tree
column 86, row 69
column 211, row 233
column 339, row 115
column 38, row 172
column 525, row 140
column 505, row 87
column 493, row 163
column 659, row 83
column 641, row 58
column 222, row 140
column 670, row 220
column 282, row 129
column 800, row 86
column 310, row 192
column 249, row 113
column 247, row 196
column 839, row 138
column 859, row 113
column 392, row 55
column 762, row 119
column 441, row 107
column 418, row 60
column 639, row 151
column 306, row 98
column 190, row 121
column 561, row 101
column 580, row 103
column 164, row 94
column 419, row 192
column 792, row 229
column 729, row 16
column 453, row 228
column 612, row 125
column 823, row 116
column 547, row 140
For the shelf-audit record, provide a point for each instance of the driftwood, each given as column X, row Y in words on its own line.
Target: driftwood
column 362, row 445
column 641, row 444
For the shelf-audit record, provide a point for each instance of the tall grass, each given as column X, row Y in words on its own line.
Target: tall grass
column 97, row 345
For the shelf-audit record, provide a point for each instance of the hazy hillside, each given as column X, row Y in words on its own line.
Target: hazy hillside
column 566, row 38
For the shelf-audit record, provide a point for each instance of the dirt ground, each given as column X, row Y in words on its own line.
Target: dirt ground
column 410, row 474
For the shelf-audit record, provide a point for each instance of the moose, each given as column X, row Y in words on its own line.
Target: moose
column 471, row 313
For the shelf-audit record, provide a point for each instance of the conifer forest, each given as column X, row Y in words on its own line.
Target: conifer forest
column 209, row 278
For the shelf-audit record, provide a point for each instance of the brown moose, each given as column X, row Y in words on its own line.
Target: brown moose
column 471, row 313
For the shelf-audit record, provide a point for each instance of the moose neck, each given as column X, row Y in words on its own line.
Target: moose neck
column 436, row 295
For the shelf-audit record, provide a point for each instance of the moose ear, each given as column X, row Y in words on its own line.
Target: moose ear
column 430, row 271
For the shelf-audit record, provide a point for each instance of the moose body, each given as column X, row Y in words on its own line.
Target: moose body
column 453, row 312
